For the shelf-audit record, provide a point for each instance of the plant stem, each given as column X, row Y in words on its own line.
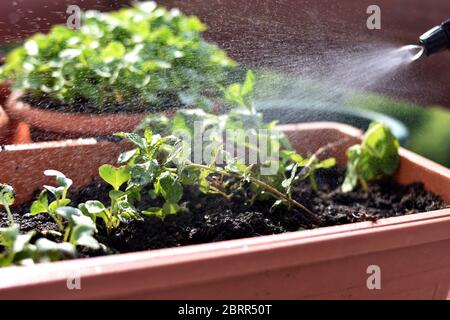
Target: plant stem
column 364, row 185
column 265, row 186
column 66, row 234
column 10, row 216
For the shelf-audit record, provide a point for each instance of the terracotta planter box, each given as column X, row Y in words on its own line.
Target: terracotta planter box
column 411, row 251
column 57, row 125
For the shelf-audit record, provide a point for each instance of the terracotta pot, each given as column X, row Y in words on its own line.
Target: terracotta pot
column 56, row 125
column 11, row 130
column 332, row 262
column 4, row 130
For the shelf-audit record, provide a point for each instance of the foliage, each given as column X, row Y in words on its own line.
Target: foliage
column 376, row 157
column 7, row 196
column 241, row 157
column 78, row 229
column 166, row 163
column 42, row 204
column 144, row 55
column 19, row 250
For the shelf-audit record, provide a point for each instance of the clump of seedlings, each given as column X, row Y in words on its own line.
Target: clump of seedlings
column 376, row 157
column 145, row 55
column 240, row 155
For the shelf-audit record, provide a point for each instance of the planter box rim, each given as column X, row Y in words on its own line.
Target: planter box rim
column 290, row 248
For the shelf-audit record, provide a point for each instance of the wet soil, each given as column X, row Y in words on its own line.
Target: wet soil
column 212, row 218
column 166, row 101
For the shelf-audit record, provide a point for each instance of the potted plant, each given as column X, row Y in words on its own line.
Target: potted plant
column 117, row 67
column 157, row 195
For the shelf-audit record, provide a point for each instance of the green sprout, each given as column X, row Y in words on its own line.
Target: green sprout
column 7, row 196
column 373, row 159
column 42, row 204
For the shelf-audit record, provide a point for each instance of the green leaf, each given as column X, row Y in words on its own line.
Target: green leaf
column 143, row 173
column 52, row 251
column 170, row 188
column 170, row 208
column 68, row 213
column 7, row 195
column 40, row 205
column 61, row 179
column 134, row 138
column 375, row 157
column 247, row 87
column 94, row 207
column 53, row 206
column 113, row 51
column 327, row 163
column 126, row 156
column 82, row 235
column 114, row 176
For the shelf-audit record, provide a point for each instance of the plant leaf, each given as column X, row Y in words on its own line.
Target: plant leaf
column 114, row 176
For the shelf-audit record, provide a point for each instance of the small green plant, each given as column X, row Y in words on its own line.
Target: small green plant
column 19, row 250
column 59, row 193
column 7, row 197
column 80, row 228
column 144, row 55
column 376, row 157
column 120, row 207
column 304, row 168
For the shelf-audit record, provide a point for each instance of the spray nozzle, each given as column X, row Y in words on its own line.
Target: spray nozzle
column 436, row 39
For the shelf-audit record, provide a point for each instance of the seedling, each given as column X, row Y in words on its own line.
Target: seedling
column 120, row 208
column 19, row 250
column 376, row 157
column 42, row 205
column 305, row 168
column 80, row 228
column 7, row 196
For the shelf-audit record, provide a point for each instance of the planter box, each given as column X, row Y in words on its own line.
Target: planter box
column 412, row 251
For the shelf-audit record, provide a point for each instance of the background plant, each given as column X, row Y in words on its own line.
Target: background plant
column 144, row 55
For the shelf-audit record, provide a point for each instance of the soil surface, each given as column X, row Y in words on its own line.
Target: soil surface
column 166, row 101
column 211, row 218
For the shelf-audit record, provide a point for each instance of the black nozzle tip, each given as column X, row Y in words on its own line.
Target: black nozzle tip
column 436, row 39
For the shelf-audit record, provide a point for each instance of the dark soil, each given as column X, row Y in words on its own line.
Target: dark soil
column 211, row 218
column 166, row 101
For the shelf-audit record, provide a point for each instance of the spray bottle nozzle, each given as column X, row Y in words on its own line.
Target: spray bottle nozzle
column 436, row 39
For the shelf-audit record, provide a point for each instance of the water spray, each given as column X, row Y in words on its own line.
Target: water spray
column 435, row 40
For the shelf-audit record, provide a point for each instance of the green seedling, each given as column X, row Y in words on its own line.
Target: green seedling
column 80, row 228
column 18, row 249
column 59, row 193
column 375, row 158
column 304, row 168
column 120, row 208
column 7, row 196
